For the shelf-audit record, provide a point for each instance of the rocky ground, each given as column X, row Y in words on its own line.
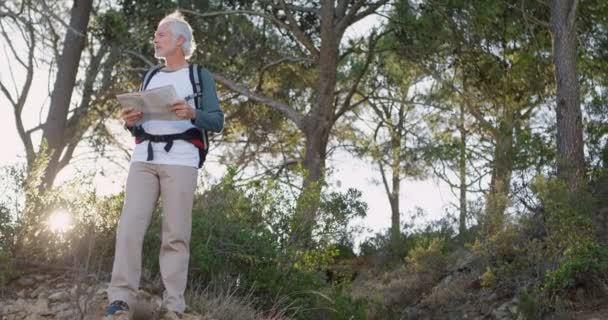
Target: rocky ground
column 62, row 295
column 40, row 295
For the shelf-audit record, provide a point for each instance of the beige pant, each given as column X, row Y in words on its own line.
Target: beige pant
column 176, row 184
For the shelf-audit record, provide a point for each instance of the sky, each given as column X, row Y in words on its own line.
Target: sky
column 430, row 195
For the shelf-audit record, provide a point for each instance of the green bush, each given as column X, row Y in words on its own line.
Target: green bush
column 7, row 271
column 582, row 266
column 337, row 304
column 528, row 306
column 428, row 256
column 241, row 233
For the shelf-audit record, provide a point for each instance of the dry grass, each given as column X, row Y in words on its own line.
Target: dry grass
column 223, row 302
column 450, row 293
column 398, row 288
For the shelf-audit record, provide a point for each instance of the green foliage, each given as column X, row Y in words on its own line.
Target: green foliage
column 568, row 215
column 7, row 272
column 528, row 306
column 584, row 265
column 241, row 232
column 488, row 279
column 111, row 27
column 7, row 230
column 428, row 256
column 336, row 303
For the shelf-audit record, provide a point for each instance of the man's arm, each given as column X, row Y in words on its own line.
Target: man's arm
column 209, row 116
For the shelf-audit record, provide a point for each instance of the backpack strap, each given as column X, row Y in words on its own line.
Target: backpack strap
column 195, row 71
column 195, row 79
column 148, row 76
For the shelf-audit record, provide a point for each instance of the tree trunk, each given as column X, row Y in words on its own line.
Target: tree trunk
column 309, row 199
column 502, row 170
column 462, row 172
column 317, row 128
column 570, row 147
column 396, row 189
column 67, row 69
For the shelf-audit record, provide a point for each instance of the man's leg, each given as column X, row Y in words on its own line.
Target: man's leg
column 140, row 199
column 177, row 184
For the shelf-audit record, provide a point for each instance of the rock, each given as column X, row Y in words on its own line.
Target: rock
column 39, row 291
column 455, row 315
column 61, row 307
column 414, row 313
column 41, row 307
column 506, row 311
column 25, row 281
column 59, row 296
column 40, row 277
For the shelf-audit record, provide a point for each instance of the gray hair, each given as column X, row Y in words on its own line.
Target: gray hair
column 180, row 27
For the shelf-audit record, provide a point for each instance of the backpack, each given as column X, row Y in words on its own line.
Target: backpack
column 195, row 71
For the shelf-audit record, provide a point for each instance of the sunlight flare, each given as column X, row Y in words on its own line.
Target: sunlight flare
column 60, row 221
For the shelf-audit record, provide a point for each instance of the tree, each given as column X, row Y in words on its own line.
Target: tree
column 315, row 32
column 65, row 125
column 570, row 146
column 54, row 132
column 390, row 127
column 483, row 56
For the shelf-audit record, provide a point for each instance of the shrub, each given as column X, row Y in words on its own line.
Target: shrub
column 528, row 306
column 428, row 256
column 241, row 232
column 582, row 266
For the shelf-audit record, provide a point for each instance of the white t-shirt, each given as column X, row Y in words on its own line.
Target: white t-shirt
column 182, row 152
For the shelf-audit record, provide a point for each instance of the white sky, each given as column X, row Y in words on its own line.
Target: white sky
column 349, row 172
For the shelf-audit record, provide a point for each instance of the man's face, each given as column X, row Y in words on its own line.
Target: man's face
column 164, row 42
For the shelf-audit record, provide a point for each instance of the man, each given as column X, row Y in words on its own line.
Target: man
column 168, row 168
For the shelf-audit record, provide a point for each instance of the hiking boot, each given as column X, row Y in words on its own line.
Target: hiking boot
column 117, row 310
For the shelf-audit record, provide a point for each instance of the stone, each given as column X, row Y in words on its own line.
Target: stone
column 59, row 296
column 41, row 306
column 25, row 281
column 61, row 307
column 21, row 293
column 40, row 277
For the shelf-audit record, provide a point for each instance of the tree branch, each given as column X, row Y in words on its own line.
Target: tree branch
column 301, row 8
column 292, row 26
column 346, row 106
column 353, row 15
column 48, row 12
column 572, row 14
column 304, row 41
column 275, row 63
column 140, row 56
column 290, row 113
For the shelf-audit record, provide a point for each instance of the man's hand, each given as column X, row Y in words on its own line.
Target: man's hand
column 183, row 110
column 130, row 116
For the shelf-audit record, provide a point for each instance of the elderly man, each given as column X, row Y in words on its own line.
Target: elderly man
column 164, row 161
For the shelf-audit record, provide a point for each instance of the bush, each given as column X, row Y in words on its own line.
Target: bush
column 242, row 233
column 7, row 272
column 528, row 306
column 585, row 266
column 7, row 230
column 336, row 303
column 428, row 256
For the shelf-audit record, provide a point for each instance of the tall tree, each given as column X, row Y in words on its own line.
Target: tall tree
column 389, row 128
column 483, row 56
column 40, row 26
column 317, row 29
column 570, row 146
column 54, row 132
